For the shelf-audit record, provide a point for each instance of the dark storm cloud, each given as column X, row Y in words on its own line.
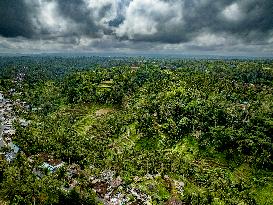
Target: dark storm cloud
column 258, row 22
column 77, row 11
column 14, row 19
column 121, row 9
column 254, row 20
column 87, row 19
column 197, row 24
column 117, row 21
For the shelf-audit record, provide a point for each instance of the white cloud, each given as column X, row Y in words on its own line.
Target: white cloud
column 143, row 17
column 232, row 12
column 47, row 17
column 97, row 6
column 210, row 39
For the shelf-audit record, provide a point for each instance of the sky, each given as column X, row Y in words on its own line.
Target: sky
column 202, row 27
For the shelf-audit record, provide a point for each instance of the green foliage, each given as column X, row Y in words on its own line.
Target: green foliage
column 207, row 123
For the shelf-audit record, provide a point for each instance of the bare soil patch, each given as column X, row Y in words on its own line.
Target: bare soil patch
column 104, row 111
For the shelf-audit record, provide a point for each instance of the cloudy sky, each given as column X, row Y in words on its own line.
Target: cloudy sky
column 168, row 26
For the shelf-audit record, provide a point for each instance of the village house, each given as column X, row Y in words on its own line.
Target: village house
column 49, row 164
column 2, row 143
column 52, row 167
column 9, row 132
column 10, row 156
column 2, row 118
column 6, row 128
column 1, row 98
column 24, row 122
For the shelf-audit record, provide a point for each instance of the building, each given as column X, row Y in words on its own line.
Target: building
column 23, row 122
column 48, row 164
column 2, row 143
column 1, row 98
column 10, row 156
column 51, row 166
